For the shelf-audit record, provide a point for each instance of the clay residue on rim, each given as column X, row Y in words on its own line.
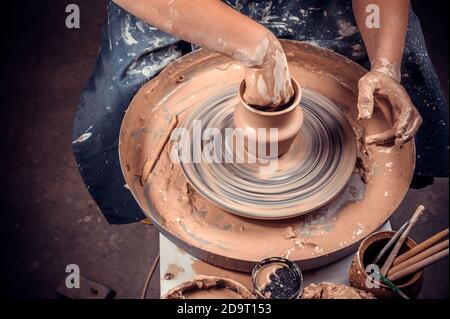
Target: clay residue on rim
column 263, row 276
column 311, row 239
column 209, row 287
column 201, row 268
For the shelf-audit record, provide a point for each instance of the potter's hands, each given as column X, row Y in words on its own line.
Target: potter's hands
column 268, row 84
column 407, row 120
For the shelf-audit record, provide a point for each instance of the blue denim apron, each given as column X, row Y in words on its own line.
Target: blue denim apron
column 133, row 52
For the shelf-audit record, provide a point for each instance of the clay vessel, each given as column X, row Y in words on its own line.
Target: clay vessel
column 288, row 120
column 367, row 251
column 215, row 285
column 286, row 263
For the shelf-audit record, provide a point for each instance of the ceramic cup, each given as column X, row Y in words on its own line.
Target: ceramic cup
column 288, row 120
column 367, row 251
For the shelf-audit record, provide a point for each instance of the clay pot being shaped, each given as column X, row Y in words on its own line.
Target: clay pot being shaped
column 256, row 124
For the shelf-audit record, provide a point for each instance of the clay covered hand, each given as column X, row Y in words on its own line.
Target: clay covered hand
column 218, row 27
column 268, row 82
column 383, row 82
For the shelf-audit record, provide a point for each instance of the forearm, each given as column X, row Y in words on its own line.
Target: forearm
column 208, row 23
column 384, row 44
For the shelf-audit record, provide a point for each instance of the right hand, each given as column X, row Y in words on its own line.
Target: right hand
column 268, row 85
column 218, row 27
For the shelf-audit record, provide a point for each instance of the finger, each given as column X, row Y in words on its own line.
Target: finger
column 285, row 100
column 400, row 101
column 255, row 99
column 387, row 137
column 407, row 120
column 288, row 93
column 407, row 110
column 412, row 130
column 399, row 141
column 365, row 98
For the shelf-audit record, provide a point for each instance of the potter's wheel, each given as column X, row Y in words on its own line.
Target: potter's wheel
column 314, row 171
column 210, row 233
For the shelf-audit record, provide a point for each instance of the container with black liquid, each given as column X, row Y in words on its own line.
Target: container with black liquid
column 277, row 278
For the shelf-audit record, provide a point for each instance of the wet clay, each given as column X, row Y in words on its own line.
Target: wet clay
column 381, row 178
column 201, row 268
column 263, row 276
column 315, row 169
column 328, row 290
column 212, row 293
column 209, row 287
column 288, row 121
column 324, row 290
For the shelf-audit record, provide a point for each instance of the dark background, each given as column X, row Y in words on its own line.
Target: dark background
column 48, row 219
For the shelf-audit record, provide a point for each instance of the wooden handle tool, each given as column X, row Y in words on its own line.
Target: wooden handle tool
column 152, row 159
column 420, row 265
column 421, row 247
column 387, row 265
column 424, row 254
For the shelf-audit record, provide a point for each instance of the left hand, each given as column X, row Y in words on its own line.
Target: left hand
column 407, row 119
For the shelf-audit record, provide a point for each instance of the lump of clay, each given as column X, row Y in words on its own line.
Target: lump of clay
column 328, row 290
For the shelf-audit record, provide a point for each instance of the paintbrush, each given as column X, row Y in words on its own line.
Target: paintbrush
column 390, row 243
column 421, row 247
column 424, row 254
column 387, row 265
column 419, row 265
column 392, row 286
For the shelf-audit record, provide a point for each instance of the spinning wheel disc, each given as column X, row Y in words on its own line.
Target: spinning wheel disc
column 316, row 168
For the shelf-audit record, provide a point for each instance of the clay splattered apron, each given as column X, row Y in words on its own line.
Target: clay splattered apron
column 133, row 52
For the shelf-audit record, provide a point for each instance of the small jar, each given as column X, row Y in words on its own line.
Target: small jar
column 367, row 251
column 288, row 120
column 277, row 278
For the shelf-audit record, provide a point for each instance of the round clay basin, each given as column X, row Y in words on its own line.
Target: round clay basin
column 218, row 237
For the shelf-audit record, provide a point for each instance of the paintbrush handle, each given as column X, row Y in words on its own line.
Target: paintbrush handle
column 419, row 265
column 391, row 242
column 424, row 254
column 421, row 247
column 387, row 265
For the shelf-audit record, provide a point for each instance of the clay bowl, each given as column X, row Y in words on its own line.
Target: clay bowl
column 288, row 121
column 367, row 251
column 208, row 287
